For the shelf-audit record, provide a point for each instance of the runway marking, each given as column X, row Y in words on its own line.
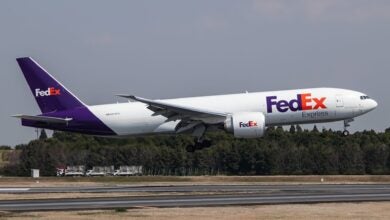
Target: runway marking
column 14, row 189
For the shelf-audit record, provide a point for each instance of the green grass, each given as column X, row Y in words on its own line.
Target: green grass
column 120, row 210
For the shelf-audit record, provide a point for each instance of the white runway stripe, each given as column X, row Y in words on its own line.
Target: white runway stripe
column 13, row 189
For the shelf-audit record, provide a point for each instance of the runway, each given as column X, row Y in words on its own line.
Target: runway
column 203, row 188
column 220, row 195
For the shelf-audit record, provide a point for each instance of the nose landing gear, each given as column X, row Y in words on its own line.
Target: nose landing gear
column 346, row 125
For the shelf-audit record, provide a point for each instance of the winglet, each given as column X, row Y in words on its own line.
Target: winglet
column 130, row 97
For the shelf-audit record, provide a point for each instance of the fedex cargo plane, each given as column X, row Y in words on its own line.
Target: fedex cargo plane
column 245, row 115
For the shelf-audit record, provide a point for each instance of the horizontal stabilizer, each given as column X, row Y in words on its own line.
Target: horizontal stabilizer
column 46, row 119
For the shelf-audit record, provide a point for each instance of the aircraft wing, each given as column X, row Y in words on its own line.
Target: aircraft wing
column 174, row 111
column 46, row 119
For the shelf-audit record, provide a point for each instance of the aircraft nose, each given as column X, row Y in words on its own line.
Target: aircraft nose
column 375, row 104
column 372, row 104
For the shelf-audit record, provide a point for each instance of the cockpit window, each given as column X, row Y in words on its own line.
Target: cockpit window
column 364, row 97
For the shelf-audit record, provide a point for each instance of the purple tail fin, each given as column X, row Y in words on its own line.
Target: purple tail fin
column 50, row 94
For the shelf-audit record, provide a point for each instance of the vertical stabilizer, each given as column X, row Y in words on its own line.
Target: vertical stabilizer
column 50, row 94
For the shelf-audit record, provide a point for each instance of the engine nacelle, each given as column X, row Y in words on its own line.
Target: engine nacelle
column 246, row 124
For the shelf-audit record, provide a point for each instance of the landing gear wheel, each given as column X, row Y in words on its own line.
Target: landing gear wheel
column 346, row 125
column 190, row 148
column 199, row 140
column 204, row 144
column 198, row 145
column 345, row 132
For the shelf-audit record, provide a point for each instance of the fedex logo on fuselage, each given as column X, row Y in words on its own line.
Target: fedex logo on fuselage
column 248, row 124
column 302, row 103
column 51, row 91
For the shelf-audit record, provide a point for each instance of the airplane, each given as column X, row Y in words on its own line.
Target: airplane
column 245, row 115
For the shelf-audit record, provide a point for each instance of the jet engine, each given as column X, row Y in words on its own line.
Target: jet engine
column 246, row 124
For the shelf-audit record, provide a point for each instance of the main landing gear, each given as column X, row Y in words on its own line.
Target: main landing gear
column 199, row 141
column 346, row 125
column 198, row 145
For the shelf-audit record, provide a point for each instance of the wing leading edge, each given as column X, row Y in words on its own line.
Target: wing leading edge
column 175, row 112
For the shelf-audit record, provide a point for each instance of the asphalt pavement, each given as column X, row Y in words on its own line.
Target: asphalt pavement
column 219, row 195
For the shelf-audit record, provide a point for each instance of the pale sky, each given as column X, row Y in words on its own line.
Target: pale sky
column 168, row 49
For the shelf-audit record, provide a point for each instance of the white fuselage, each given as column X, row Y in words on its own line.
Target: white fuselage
column 287, row 107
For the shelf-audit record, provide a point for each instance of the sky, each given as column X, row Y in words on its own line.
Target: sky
column 168, row 49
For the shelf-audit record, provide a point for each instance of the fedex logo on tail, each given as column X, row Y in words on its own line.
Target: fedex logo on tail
column 302, row 103
column 51, row 91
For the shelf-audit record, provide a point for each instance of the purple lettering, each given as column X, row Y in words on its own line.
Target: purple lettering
column 297, row 102
column 302, row 103
column 282, row 106
column 270, row 103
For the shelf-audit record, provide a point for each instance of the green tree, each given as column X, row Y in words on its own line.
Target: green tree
column 278, row 152
column 4, row 147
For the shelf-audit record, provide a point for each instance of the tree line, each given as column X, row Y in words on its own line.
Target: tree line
column 279, row 152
